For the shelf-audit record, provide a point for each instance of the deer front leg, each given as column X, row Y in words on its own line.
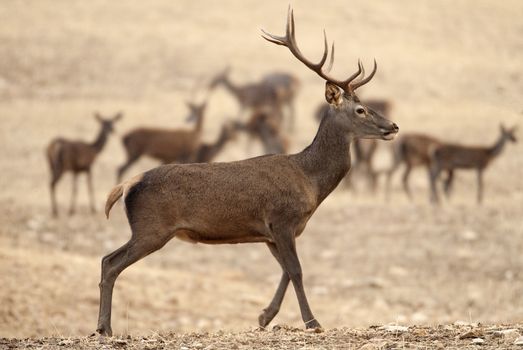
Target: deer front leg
column 286, row 246
column 274, row 307
column 90, row 190
column 448, row 183
column 434, row 171
column 73, row 194
column 405, row 181
column 480, row 186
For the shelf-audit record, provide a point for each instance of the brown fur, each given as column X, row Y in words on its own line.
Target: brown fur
column 168, row 146
column 413, row 150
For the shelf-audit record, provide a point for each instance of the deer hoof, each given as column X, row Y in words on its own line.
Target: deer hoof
column 314, row 325
column 105, row 331
column 266, row 317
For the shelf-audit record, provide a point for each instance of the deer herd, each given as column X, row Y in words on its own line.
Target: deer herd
column 267, row 199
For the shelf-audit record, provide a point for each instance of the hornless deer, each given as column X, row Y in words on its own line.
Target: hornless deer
column 208, row 151
column 76, row 156
column 275, row 90
column 414, row 150
column 265, row 125
column 452, row 156
column 364, row 149
column 266, row 199
column 168, row 146
column 286, row 87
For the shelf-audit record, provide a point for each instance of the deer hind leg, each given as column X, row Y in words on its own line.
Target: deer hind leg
column 274, row 307
column 114, row 263
column 73, row 194
column 480, row 186
column 52, row 186
column 286, row 246
column 90, row 191
column 122, row 169
column 447, row 185
column 405, row 180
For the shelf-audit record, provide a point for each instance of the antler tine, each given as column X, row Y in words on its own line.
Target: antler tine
column 331, row 61
column 365, row 80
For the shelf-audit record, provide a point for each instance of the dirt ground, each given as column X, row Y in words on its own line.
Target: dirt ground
column 451, row 69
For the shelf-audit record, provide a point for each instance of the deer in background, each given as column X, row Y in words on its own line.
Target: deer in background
column 208, row 151
column 77, row 157
column 413, row 150
column 168, row 146
column 364, row 149
column 267, row 199
column 450, row 157
column 275, row 90
column 265, row 125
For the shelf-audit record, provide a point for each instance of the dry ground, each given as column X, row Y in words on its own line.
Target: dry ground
column 452, row 69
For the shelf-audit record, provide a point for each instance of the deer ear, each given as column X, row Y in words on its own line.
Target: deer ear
column 118, row 116
column 332, row 94
column 97, row 116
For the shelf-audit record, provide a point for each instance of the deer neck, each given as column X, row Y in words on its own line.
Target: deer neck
column 100, row 141
column 222, row 140
column 496, row 149
column 199, row 125
column 233, row 89
column 326, row 160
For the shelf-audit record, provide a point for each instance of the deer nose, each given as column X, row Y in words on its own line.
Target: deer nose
column 395, row 127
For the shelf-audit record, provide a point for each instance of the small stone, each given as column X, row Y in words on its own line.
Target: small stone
column 470, row 334
column 394, row 328
column 477, row 341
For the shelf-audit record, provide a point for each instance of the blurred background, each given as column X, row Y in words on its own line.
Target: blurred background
column 449, row 69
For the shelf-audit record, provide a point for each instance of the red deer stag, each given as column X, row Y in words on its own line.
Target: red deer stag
column 266, row 199
column 452, row 156
column 77, row 157
column 168, row 146
column 208, row 151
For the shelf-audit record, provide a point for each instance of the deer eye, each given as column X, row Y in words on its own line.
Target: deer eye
column 360, row 110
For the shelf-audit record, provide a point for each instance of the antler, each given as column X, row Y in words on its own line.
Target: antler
column 289, row 40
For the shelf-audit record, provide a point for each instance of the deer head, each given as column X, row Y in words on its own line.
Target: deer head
column 220, row 78
column 108, row 123
column 508, row 134
column 196, row 111
column 349, row 112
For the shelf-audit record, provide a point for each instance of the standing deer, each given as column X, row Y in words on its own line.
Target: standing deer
column 265, row 125
column 208, row 151
column 276, row 90
column 453, row 156
column 286, row 87
column 77, row 157
column 364, row 149
column 168, row 146
column 266, row 199
column 413, row 150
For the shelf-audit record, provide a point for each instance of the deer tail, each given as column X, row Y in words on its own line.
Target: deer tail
column 120, row 190
column 54, row 155
column 113, row 196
